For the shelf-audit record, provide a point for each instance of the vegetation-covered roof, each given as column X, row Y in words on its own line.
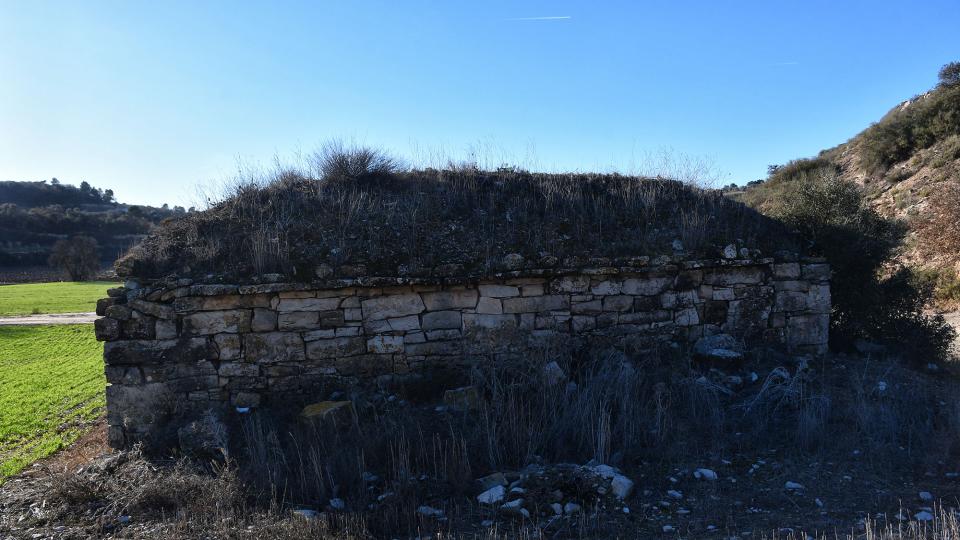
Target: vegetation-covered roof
column 375, row 221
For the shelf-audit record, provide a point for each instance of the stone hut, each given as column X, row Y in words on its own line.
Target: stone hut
column 224, row 312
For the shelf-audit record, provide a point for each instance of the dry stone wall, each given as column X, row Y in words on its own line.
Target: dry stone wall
column 179, row 347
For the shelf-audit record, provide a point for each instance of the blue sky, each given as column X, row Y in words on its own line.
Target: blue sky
column 153, row 98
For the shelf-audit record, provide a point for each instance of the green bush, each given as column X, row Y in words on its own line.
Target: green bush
column 905, row 130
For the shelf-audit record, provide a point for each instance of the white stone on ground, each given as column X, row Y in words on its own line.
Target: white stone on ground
column 923, row 515
column 793, row 486
column 430, row 511
column 704, row 474
column 492, row 495
column 926, row 496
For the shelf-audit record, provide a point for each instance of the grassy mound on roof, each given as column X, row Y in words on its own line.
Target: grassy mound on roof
column 377, row 221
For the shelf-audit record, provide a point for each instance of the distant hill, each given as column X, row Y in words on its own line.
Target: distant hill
column 34, row 215
column 908, row 167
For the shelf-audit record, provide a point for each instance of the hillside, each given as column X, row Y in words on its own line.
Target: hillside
column 34, row 215
column 907, row 166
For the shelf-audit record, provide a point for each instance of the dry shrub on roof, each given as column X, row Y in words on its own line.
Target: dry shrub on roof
column 358, row 209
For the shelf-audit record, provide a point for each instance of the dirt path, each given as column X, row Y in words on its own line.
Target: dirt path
column 53, row 318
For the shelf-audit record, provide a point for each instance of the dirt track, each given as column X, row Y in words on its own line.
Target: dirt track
column 56, row 318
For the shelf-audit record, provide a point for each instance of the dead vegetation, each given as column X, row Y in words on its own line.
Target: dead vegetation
column 356, row 211
column 862, row 435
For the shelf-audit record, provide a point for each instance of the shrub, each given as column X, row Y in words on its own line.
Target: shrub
column 337, row 161
column 831, row 214
column 939, row 229
column 78, row 257
column 950, row 74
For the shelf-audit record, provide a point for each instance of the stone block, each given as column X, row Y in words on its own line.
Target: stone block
column 818, row 298
column 490, row 306
column 531, row 289
column 751, row 275
column 790, row 301
column 165, row 329
column 570, row 284
column 160, row 311
column 264, row 320
column 118, row 312
column 272, row 347
column 621, row 302
column 816, row 272
column 106, row 329
column 216, row 322
column 431, row 348
column 606, row 287
column 536, row 304
column 335, row 348
column 339, row 413
column 583, row 323
column 438, row 301
column 647, row 286
column 228, row 346
column 687, row 317
column 499, row 291
column 298, row 320
column 388, row 307
column 587, row 308
column 436, row 320
column 790, row 270
column 238, row 369
column 308, row 304
column 444, row 335
column 404, row 324
column 385, row 344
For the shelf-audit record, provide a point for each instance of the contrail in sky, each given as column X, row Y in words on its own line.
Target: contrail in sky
column 557, row 18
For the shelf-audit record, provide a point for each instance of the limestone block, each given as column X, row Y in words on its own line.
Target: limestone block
column 751, row 275
column 647, row 286
column 166, row 329
column 437, row 301
column 436, row 320
column 606, row 287
column 324, row 333
column 687, row 317
column 228, row 346
column 298, row 320
column 216, row 322
column 488, row 305
column 583, row 323
column 443, row 335
column 353, row 314
column 790, row 301
column 414, row 337
column 531, row 289
column 808, row 330
column 348, row 331
column 431, row 348
column 790, row 270
column 153, row 309
column 272, row 347
column 264, row 320
column 535, row 304
column 139, row 327
column 245, row 399
column 791, row 285
column 118, row 312
column 339, row 413
column 238, row 369
column 818, row 298
column 499, row 291
column 724, row 294
column 404, row 324
column 336, row 347
column 387, row 307
column 621, row 302
column 103, row 304
column 385, row 344
column 106, row 329
column 308, row 304
column 570, row 284
column 587, row 308
column 816, row 272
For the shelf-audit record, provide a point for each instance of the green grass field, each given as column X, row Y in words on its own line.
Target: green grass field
column 61, row 297
column 51, row 389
